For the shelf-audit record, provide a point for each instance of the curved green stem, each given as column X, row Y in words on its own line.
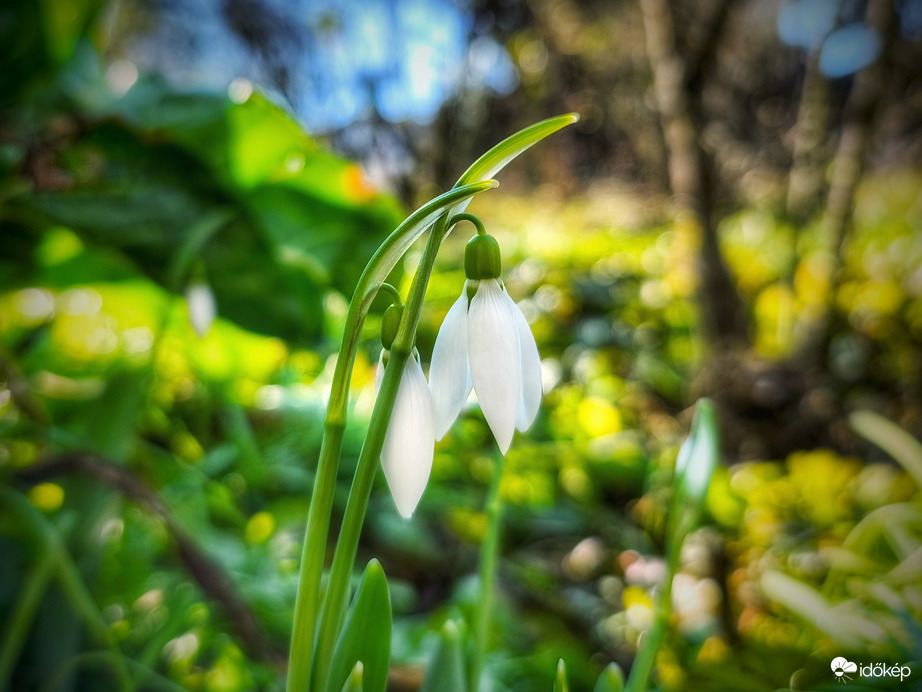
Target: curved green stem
column 357, row 504
column 489, row 559
column 653, row 639
column 465, row 216
column 318, row 520
column 390, row 290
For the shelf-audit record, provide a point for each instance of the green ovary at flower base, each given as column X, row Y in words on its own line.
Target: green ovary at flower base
column 485, row 344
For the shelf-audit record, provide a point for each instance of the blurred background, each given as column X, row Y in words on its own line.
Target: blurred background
column 738, row 215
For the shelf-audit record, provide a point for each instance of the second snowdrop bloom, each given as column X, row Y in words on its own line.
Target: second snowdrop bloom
column 485, row 344
column 406, row 456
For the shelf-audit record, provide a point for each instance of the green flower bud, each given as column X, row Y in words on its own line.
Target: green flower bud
column 482, row 258
column 390, row 324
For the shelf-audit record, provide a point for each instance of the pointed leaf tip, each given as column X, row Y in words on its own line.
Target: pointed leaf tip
column 446, row 669
column 560, row 682
column 610, row 680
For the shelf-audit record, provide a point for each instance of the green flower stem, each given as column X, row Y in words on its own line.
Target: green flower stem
column 318, row 519
column 464, row 216
column 489, row 559
column 653, row 639
column 472, row 182
column 68, row 576
column 357, row 504
column 17, row 628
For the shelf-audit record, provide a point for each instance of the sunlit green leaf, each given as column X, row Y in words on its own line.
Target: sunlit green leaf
column 500, row 155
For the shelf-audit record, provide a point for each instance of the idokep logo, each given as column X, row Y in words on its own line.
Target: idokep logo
column 842, row 666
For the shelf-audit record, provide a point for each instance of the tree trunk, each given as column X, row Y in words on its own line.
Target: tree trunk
column 677, row 92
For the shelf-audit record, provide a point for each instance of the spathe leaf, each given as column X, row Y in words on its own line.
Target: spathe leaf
column 366, row 635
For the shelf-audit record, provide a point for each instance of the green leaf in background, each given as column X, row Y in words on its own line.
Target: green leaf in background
column 560, row 681
column 366, row 635
column 899, row 444
column 286, row 220
column 112, row 423
column 610, row 680
column 694, row 467
column 846, row 628
column 446, row 672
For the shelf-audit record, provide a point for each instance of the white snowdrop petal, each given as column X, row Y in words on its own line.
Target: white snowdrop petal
column 202, row 309
column 449, row 374
column 495, row 360
column 406, row 456
column 530, row 400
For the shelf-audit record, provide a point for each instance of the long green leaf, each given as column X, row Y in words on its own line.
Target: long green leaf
column 845, row 628
column 899, row 444
column 496, row 158
column 366, row 635
column 445, row 672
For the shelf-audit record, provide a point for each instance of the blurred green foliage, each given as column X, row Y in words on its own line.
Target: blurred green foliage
column 173, row 472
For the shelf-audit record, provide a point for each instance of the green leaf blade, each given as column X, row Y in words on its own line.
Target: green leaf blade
column 366, row 636
column 500, row 155
column 560, row 681
column 890, row 437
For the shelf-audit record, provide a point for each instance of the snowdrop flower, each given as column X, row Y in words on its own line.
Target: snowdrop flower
column 201, row 305
column 485, row 344
column 409, row 442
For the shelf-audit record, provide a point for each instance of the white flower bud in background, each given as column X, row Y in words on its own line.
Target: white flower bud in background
column 201, row 305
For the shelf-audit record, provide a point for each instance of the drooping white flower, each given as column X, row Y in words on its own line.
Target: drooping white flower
column 201, row 304
column 406, row 456
column 485, row 344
